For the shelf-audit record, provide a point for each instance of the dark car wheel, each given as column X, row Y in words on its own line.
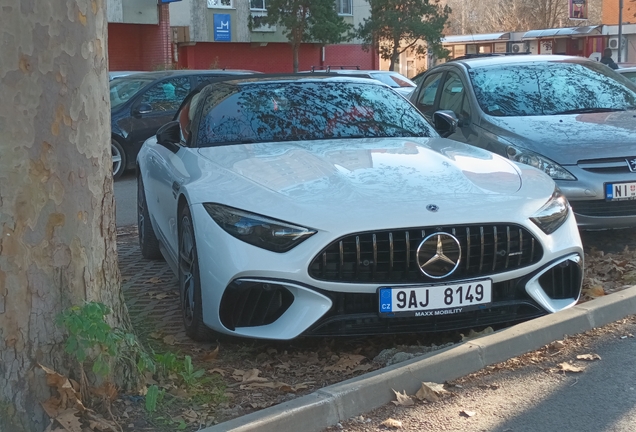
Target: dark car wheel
column 148, row 242
column 119, row 159
column 189, row 281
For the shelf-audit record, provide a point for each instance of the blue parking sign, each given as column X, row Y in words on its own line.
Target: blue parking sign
column 222, row 28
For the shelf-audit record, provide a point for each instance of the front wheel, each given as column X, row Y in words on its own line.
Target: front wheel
column 189, row 281
column 148, row 242
column 119, row 158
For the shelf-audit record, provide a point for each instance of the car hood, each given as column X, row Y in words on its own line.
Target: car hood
column 323, row 179
column 568, row 138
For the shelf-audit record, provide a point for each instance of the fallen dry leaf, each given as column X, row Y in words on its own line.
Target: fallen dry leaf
column 346, row 361
column 155, row 335
column 430, row 392
column 212, row 355
column 153, row 280
column 107, row 391
column 169, row 340
column 595, row 291
column 467, row 413
column 392, row 423
column 69, row 420
column 217, row 370
column 472, row 334
column 567, row 367
column 588, row 357
column 402, row 399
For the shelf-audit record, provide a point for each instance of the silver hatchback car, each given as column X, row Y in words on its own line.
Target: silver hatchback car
column 571, row 117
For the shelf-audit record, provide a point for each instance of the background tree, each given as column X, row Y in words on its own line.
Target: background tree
column 399, row 25
column 492, row 16
column 57, row 225
column 305, row 21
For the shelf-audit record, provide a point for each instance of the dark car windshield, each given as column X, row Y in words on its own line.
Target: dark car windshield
column 550, row 88
column 290, row 111
column 122, row 89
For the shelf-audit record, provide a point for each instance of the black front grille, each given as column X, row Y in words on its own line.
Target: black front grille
column 602, row 208
column 248, row 304
column 390, row 256
column 563, row 281
column 605, row 166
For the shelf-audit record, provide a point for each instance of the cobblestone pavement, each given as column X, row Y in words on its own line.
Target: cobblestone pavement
column 151, row 292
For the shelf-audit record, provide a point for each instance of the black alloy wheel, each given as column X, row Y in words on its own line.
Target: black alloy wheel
column 148, row 242
column 189, row 281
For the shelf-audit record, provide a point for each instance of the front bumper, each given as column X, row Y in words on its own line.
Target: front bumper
column 251, row 292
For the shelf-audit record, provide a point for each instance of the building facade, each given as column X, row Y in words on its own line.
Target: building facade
column 216, row 34
column 139, row 36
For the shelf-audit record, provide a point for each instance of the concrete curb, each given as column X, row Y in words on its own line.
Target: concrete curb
column 344, row 400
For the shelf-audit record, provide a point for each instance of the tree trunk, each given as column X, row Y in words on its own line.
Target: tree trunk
column 57, row 226
column 295, row 50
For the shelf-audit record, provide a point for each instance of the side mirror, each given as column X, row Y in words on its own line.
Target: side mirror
column 143, row 108
column 445, row 122
column 169, row 134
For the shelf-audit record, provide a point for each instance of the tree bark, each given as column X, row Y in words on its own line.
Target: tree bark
column 57, row 227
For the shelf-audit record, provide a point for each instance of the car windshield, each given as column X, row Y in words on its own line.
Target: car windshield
column 122, row 89
column 291, row 111
column 394, row 80
column 550, row 88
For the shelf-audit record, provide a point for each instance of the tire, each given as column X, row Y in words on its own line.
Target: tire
column 190, row 282
column 119, row 158
column 148, row 242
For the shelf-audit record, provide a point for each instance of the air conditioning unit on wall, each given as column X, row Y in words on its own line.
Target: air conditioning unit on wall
column 613, row 42
column 518, row 47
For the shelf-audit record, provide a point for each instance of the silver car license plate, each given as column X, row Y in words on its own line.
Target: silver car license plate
column 620, row 191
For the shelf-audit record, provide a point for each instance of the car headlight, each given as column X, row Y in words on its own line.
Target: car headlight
column 257, row 230
column 552, row 215
column 553, row 169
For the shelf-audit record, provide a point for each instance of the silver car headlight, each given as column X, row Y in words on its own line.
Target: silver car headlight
column 551, row 168
column 552, row 215
column 257, row 230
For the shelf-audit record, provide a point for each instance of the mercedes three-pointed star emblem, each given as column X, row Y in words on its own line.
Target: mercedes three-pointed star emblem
column 438, row 255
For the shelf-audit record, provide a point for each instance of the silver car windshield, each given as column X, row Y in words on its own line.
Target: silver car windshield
column 292, row 111
column 551, row 88
column 122, row 89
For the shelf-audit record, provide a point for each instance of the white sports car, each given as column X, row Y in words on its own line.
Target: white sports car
column 321, row 205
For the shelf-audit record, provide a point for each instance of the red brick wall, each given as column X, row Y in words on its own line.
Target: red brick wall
column 610, row 11
column 271, row 58
column 140, row 46
column 350, row 55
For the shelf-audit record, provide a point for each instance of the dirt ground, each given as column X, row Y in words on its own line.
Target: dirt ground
column 231, row 378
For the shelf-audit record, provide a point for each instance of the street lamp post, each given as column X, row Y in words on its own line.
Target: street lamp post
column 620, row 29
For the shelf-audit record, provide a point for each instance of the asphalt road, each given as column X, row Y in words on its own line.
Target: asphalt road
column 536, row 397
column 126, row 200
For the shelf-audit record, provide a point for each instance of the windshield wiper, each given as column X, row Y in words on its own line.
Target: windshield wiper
column 589, row 110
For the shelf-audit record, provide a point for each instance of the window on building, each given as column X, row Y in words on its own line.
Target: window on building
column 220, row 4
column 258, row 5
column 344, row 7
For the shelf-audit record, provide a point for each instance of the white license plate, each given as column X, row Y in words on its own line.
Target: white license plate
column 434, row 300
column 620, row 191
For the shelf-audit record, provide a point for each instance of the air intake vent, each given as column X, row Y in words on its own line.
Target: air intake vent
column 249, row 304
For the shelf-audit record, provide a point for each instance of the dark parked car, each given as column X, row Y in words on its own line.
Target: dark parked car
column 143, row 102
column 571, row 117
